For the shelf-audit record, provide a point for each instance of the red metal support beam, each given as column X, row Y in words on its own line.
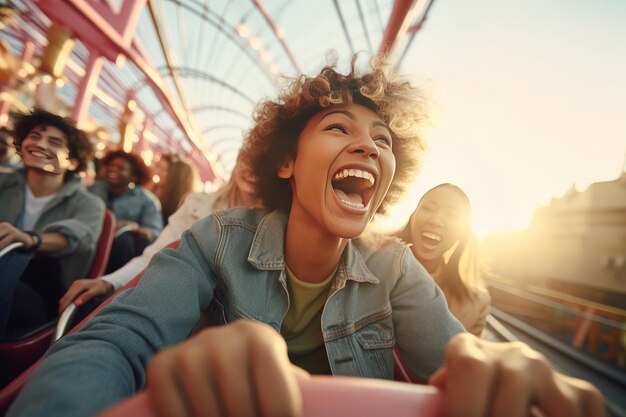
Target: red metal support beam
column 412, row 31
column 86, row 89
column 261, row 7
column 403, row 14
column 109, row 34
column 28, row 52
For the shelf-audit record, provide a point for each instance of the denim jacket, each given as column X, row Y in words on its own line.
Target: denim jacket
column 231, row 266
column 136, row 204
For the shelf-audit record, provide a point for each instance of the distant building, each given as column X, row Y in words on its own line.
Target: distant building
column 576, row 244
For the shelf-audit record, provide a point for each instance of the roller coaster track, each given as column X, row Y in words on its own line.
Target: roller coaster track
column 564, row 358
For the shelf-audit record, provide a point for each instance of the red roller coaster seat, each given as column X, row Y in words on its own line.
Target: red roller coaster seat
column 324, row 396
column 103, row 250
column 10, row 391
column 18, row 352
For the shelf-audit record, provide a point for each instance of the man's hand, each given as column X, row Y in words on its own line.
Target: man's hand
column 481, row 378
column 132, row 226
column 237, row 370
column 83, row 290
column 10, row 234
column 144, row 233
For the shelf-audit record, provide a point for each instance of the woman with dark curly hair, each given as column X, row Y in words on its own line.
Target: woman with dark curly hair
column 45, row 207
column 137, row 210
column 296, row 284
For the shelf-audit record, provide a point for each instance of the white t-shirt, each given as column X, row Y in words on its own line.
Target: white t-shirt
column 34, row 207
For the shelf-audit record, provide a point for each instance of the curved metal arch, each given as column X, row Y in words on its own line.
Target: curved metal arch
column 270, row 22
column 268, row 19
column 230, row 36
column 209, row 107
column 364, row 25
column 219, row 127
column 219, row 141
column 224, row 144
column 190, row 72
column 230, row 150
column 343, row 25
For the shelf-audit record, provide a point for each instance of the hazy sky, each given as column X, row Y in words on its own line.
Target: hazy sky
column 529, row 98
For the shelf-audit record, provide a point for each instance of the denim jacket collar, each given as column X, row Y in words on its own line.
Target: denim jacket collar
column 268, row 245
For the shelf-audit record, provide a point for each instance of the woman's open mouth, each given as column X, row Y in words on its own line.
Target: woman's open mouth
column 354, row 186
column 430, row 240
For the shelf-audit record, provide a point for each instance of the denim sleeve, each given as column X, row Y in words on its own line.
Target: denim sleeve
column 151, row 217
column 422, row 321
column 104, row 362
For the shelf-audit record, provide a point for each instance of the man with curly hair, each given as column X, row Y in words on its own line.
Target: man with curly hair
column 297, row 285
column 136, row 209
column 46, row 207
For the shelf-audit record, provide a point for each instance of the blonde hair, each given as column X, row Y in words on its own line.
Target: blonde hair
column 229, row 194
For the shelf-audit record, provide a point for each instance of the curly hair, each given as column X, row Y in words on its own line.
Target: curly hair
column 141, row 172
column 78, row 142
column 279, row 123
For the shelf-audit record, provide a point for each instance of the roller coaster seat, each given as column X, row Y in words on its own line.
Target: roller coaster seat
column 18, row 351
column 10, row 391
column 324, row 396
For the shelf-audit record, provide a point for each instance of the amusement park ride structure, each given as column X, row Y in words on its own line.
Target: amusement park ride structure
column 178, row 76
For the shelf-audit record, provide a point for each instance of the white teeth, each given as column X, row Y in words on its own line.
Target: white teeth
column 351, row 204
column 355, row 172
column 39, row 154
column 432, row 236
